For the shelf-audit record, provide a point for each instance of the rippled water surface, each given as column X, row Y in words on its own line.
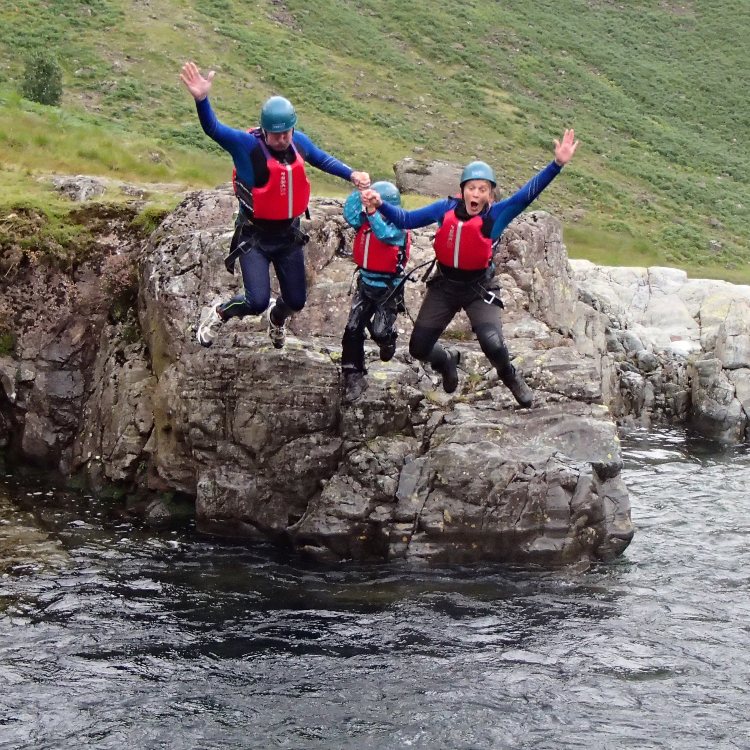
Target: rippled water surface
column 112, row 637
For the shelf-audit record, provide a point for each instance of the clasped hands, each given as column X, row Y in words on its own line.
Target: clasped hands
column 371, row 200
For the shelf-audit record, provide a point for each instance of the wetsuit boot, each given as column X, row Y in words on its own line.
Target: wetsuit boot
column 445, row 361
column 387, row 350
column 517, row 385
column 355, row 384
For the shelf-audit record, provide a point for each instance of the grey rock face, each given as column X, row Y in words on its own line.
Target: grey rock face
column 487, row 484
column 262, row 440
column 733, row 337
column 81, row 187
column 57, row 319
column 716, row 411
column 118, row 414
column 681, row 346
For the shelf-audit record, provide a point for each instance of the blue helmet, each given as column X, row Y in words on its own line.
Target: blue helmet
column 388, row 192
column 478, row 170
column 277, row 115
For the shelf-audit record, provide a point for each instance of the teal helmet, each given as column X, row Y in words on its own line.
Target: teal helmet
column 388, row 192
column 478, row 170
column 277, row 115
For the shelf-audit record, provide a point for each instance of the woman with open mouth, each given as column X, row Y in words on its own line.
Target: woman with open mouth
column 470, row 228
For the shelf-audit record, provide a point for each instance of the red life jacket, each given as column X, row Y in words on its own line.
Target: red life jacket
column 287, row 192
column 461, row 244
column 373, row 254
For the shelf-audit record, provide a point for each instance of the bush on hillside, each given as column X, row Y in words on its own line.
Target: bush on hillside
column 42, row 78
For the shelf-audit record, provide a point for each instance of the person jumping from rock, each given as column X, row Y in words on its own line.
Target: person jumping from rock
column 470, row 228
column 381, row 252
column 273, row 192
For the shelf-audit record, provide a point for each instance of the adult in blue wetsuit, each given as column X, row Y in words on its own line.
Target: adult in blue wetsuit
column 470, row 227
column 273, row 192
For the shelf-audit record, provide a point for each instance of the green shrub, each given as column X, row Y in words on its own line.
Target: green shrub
column 42, row 78
column 7, row 342
column 150, row 218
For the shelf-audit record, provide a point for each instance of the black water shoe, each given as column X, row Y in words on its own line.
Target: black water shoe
column 387, row 351
column 355, row 384
column 450, row 370
column 522, row 393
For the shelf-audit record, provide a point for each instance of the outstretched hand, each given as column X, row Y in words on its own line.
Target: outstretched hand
column 194, row 82
column 564, row 151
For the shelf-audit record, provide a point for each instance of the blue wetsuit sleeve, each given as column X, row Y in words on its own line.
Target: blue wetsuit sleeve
column 238, row 143
column 385, row 231
column 353, row 212
column 319, row 158
column 420, row 217
column 506, row 210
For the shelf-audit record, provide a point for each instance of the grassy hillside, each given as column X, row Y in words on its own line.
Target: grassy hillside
column 656, row 89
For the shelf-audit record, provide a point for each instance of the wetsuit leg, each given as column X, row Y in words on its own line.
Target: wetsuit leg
column 353, row 340
column 254, row 264
column 383, row 324
column 289, row 264
column 437, row 310
column 487, row 325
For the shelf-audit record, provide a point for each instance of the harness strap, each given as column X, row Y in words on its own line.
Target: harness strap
column 408, row 277
column 488, row 296
column 243, row 233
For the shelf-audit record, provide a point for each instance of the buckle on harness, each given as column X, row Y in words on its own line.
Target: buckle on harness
column 492, row 299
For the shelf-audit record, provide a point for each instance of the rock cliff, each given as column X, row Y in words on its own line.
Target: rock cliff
column 260, row 437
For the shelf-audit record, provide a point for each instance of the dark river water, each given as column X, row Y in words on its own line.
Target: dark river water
column 112, row 636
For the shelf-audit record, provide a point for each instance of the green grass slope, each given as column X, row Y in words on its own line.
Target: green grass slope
column 656, row 90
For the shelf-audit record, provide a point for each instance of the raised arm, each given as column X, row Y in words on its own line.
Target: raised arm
column 503, row 212
column 354, row 211
column 565, row 150
column 238, row 143
column 384, row 230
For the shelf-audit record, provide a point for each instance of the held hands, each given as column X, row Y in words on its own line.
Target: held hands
column 194, row 82
column 361, row 180
column 564, row 151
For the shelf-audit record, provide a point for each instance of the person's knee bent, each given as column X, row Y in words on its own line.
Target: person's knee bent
column 256, row 305
column 384, row 339
column 383, row 334
column 492, row 343
column 421, row 343
column 295, row 302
